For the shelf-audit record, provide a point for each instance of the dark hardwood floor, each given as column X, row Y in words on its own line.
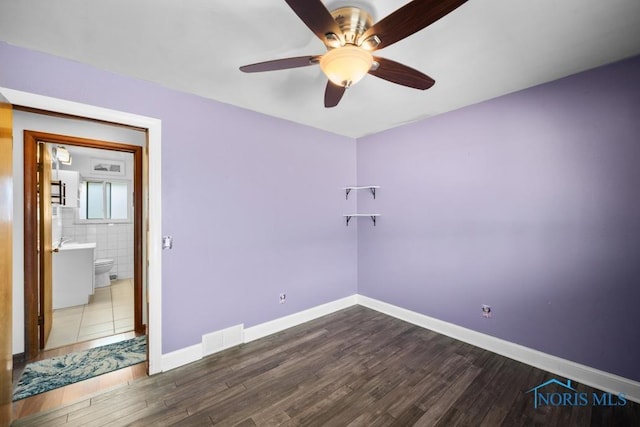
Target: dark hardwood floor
column 355, row 367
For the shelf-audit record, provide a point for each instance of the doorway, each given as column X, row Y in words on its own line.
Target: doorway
column 153, row 227
column 38, row 245
column 92, row 233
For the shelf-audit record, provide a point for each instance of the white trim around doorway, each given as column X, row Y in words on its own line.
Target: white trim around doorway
column 154, row 242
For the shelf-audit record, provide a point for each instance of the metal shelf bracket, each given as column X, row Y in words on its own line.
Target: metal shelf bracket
column 373, row 218
column 371, row 188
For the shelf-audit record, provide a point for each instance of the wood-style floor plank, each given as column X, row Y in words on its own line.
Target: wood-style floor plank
column 356, row 367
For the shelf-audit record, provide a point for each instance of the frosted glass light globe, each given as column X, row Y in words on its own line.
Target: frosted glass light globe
column 346, row 65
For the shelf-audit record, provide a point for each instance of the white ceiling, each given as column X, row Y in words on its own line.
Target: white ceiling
column 482, row 50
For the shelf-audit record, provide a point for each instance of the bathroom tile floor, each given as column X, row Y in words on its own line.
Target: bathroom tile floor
column 109, row 312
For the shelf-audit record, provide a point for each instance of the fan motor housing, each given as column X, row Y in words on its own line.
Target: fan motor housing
column 353, row 22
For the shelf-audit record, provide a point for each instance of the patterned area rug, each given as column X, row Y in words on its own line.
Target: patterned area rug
column 60, row 371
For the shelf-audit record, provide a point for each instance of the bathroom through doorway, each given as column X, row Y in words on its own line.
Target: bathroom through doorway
column 101, row 193
column 92, row 238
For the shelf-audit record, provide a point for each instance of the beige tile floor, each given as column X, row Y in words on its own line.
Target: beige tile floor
column 109, row 312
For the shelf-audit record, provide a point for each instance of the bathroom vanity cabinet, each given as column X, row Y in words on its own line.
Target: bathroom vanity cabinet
column 73, row 274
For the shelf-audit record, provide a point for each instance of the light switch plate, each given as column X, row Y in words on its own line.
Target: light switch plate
column 167, row 242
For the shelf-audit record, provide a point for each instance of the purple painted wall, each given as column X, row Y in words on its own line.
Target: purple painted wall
column 254, row 203
column 530, row 203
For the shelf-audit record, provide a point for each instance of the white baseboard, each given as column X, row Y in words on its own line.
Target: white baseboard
column 580, row 373
column 226, row 338
column 181, row 357
column 235, row 335
column 264, row 329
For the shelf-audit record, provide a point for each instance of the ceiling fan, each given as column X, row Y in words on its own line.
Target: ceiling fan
column 350, row 37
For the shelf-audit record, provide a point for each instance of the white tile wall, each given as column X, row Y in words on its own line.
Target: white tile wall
column 113, row 241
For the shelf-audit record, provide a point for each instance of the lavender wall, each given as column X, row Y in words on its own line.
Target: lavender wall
column 530, row 203
column 253, row 202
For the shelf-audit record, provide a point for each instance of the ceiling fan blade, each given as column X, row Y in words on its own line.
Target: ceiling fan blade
column 281, row 64
column 316, row 16
column 401, row 74
column 333, row 94
column 409, row 19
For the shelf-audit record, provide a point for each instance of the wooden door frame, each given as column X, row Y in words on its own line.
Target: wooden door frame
column 45, row 248
column 6, row 261
column 31, row 288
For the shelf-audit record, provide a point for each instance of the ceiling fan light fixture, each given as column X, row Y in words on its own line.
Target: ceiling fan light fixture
column 350, row 37
column 346, row 66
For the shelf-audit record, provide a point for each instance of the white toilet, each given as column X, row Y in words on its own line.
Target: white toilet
column 103, row 266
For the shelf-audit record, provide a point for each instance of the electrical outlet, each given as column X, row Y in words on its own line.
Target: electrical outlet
column 283, row 298
column 486, row 311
